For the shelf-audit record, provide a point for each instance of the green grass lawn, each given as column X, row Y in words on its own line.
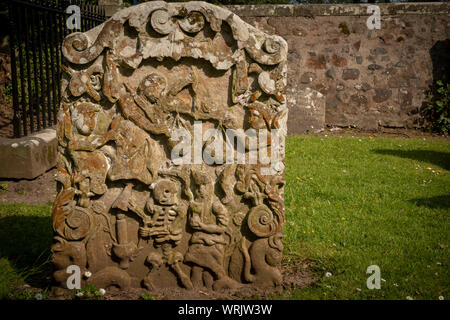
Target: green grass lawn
column 350, row 203
column 25, row 239
column 356, row 202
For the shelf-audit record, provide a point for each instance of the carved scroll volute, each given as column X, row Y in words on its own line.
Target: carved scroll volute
column 262, row 222
column 82, row 48
column 161, row 21
column 165, row 22
column 193, row 22
column 274, row 49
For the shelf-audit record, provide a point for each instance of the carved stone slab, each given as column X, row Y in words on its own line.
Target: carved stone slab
column 148, row 197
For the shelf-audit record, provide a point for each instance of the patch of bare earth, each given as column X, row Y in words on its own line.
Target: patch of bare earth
column 41, row 190
column 295, row 276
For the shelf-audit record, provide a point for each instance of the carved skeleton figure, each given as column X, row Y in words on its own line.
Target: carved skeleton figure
column 165, row 227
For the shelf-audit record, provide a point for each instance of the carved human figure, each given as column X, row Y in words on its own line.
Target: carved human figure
column 151, row 106
column 207, row 245
column 136, row 155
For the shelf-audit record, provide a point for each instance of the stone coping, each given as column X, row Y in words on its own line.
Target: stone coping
column 28, row 157
column 311, row 10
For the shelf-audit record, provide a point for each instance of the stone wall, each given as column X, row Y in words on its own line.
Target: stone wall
column 366, row 78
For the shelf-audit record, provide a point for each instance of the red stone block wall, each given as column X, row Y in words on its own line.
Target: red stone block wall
column 369, row 78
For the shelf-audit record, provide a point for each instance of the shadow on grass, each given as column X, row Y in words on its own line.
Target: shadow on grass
column 437, row 202
column 25, row 242
column 441, row 159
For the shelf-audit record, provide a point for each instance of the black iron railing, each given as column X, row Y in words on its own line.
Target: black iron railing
column 37, row 29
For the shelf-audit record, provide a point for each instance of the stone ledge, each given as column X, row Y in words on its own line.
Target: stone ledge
column 28, row 157
column 312, row 10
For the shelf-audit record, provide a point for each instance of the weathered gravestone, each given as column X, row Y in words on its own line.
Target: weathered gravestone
column 154, row 188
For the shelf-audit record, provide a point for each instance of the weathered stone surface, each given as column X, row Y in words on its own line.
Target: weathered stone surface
column 378, row 51
column 363, row 86
column 129, row 210
column 381, row 95
column 350, row 74
column 335, row 10
column 316, row 62
column 308, row 107
column 331, row 102
column 110, row 6
column 307, row 77
column 338, row 61
column 374, row 66
column 330, row 73
column 405, row 98
column 28, row 157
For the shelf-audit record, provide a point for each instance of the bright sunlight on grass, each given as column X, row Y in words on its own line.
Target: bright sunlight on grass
column 350, row 203
column 356, row 202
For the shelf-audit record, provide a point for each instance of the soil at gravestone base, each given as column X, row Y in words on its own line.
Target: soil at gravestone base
column 41, row 190
column 296, row 276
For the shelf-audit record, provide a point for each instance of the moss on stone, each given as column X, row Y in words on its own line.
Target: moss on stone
column 344, row 28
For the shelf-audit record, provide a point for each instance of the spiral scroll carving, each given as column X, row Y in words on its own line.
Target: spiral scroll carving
column 193, row 22
column 274, row 50
column 79, row 48
column 77, row 224
column 162, row 22
column 75, row 44
column 261, row 221
column 76, row 48
column 271, row 45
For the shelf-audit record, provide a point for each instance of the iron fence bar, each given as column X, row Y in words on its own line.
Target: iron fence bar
column 12, row 45
column 27, row 58
column 22, row 71
column 38, row 28
column 83, row 21
column 58, row 38
column 65, row 5
column 87, row 9
column 92, row 25
column 41, row 70
column 47, row 66
column 35, row 101
column 52, row 63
